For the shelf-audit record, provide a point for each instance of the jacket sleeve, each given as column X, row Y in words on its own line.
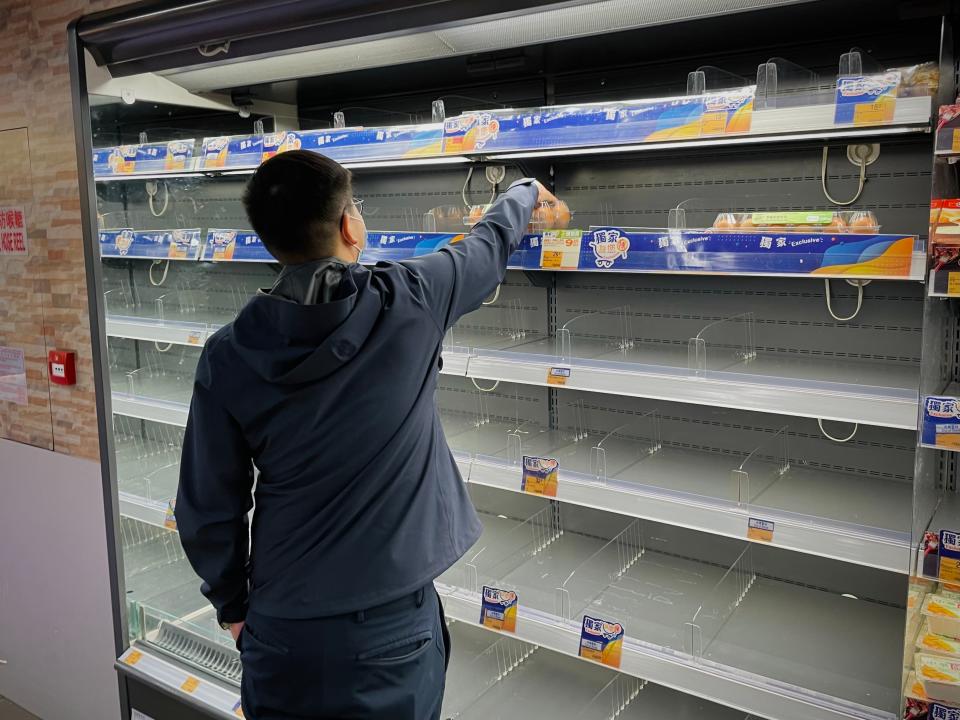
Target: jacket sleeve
column 214, row 497
column 456, row 279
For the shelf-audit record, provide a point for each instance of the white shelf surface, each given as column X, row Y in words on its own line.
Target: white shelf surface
column 786, row 652
column 820, row 512
column 157, row 670
column 871, row 393
column 544, row 684
column 912, row 115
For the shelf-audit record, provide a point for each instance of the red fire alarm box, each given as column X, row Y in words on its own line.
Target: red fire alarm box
column 62, row 365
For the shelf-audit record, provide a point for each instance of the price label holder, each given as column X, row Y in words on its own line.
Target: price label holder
column 561, row 249
column 541, row 476
column 190, row 685
column 760, row 530
column 601, row 641
column 949, row 570
column 498, row 609
column 558, row 376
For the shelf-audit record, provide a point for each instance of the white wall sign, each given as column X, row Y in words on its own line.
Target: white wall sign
column 13, row 376
column 13, row 230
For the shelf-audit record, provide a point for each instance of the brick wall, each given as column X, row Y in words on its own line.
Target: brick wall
column 43, row 302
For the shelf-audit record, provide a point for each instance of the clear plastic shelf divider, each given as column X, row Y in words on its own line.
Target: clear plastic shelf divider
column 579, row 333
column 709, row 78
column 595, row 574
column 614, row 698
column 723, row 344
column 766, row 463
column 783, row 84
column 718, row 605
column 643, row 432
column 523, row 541
column 858, row 62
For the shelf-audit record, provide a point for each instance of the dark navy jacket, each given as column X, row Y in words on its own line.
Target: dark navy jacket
column 326, row 383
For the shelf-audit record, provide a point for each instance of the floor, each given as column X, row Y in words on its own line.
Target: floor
column 9, row 711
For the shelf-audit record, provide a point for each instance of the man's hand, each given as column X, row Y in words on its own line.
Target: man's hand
column 235, row 630
column 545, row 195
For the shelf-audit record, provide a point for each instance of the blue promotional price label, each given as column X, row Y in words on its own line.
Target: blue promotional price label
column 541, row 476
column 235, row 246
column 949, row 570
column 867, row 99
column 938, row 711
column 498, row 609
column 601, row 641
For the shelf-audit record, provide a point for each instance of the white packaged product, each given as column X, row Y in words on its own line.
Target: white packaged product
column 940, row 677
column 942, row 615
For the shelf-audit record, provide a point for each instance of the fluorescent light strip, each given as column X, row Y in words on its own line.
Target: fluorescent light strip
column 739, row 140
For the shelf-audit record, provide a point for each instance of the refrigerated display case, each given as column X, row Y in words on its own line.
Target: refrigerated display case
column 687, row 417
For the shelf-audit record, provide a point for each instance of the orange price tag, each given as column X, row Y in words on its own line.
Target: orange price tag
column 190, row 684
column 713, row 123
column 133, row 657
column 558, row 376
column 761, row 530
column 193, row 338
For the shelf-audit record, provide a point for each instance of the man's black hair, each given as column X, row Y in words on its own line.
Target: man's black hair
column 295, row 201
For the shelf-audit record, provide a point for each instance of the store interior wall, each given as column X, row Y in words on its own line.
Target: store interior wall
column 56, row 628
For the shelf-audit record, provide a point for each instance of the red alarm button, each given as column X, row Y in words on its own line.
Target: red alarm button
column 62, row 365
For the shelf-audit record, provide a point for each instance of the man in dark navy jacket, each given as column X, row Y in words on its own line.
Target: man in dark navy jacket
column 326, row 383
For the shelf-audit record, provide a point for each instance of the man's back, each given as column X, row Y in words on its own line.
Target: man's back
column 334, row 397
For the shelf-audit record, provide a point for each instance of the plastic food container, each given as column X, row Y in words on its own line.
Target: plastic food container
column 933, row 644
column 939, row 676
column 817, row 221
column 942, row 615
column 546, row 216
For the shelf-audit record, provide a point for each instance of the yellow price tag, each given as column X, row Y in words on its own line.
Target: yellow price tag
column 953, row 283
column 713, row 123
column 133, row 657
column 558, row 376
column 190, row 684
column 760, row 530
column 193, row 338
column 955, row 145
column 879, row 112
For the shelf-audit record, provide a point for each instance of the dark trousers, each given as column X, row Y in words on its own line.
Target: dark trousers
column 385, row 662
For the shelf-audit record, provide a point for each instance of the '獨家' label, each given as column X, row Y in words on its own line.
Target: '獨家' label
column 498, row 609
column 541, row 476
column 601, row 641
column 949, row 556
